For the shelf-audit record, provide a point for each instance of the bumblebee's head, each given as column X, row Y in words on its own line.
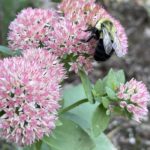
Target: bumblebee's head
column 104, row 23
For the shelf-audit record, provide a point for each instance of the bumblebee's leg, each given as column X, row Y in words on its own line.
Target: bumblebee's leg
column 89, row 38
column 89, row 29
column 94, row 34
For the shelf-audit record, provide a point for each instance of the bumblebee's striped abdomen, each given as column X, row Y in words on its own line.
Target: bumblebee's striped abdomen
column 100, row 54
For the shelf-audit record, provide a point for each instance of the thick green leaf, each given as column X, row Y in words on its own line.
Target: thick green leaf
column 103, row 143
column 69, row 136
column 79, row 120
column 82, row 115
column 35, row 146
column 111, row 94
column 100, row 120
column 99, row 88
column 120, row 76
column 114, row 79
column 6, row 52
column 71, row 95
column 105, row 102
column 45, row 147
column 87, row 85
column 59, row 123
column 32, row 147
column 111, row 80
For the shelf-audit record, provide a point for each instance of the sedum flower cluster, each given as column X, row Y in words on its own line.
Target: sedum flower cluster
column 29, row 96
column 31, row 28
column 88, row 12
column 134, row 97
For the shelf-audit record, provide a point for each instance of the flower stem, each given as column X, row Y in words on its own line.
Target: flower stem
column 73, row 106
column 86, row 85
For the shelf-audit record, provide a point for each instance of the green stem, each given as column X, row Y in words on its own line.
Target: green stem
column 73, row 106
column 38, row 145
column 86, row 85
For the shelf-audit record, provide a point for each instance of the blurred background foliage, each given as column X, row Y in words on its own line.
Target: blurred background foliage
column 8, row 11
column 135, row 17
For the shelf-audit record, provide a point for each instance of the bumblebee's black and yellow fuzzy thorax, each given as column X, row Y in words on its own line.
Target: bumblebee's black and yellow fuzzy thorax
column 105, row 33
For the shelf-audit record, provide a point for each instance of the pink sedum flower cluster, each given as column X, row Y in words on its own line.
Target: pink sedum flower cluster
column 134, row 97
column 34, row 28
column 68, row 42
column 31, row 28
column 67, row 39
column 88, row 12
column 29, row 96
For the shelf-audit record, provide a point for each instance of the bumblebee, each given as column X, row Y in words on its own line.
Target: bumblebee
column 105, row 33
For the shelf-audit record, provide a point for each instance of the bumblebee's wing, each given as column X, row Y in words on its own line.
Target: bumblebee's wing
column 107, row 41
column 117, row 46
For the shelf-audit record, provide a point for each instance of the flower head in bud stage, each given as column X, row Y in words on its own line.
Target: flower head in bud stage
column 30, row 28
column 29, row 97
column 134, row 97
column 88, row 12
